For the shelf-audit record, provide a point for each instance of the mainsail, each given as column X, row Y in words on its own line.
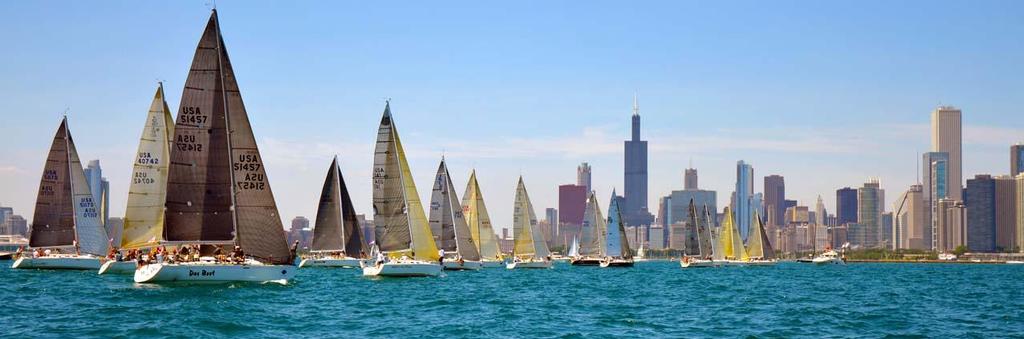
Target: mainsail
column 66, row 212
column 529, row 241
column 731, row 243
column 692, row 245
column 337, row 228
column 575, row 249
column 593, row 230
column 617, row 244
column 758, row 246
column 218, row 191
column 144, row 217
column 479, row 221
column 400, row 225
column 446, row 218
column 717, row 252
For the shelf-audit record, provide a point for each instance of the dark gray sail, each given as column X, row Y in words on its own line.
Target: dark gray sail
column 704, row 234
column 53, row 222
column 691, row 245
column 389, row 210
column 355, row 243
column 769, row 251
column 218, row 190
column 327, row 233
column 447, row 219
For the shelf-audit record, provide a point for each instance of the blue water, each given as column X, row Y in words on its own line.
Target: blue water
column 656, row 299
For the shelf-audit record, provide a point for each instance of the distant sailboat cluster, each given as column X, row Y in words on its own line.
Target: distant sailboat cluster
column 200, row 207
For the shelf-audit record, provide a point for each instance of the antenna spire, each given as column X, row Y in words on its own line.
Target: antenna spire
column 636, row 107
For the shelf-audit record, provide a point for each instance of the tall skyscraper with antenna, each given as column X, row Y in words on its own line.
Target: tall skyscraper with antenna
column 635, row 193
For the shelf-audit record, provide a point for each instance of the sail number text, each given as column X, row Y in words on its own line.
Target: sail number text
column 187, row 143
column 251, row 178
column 192, row 115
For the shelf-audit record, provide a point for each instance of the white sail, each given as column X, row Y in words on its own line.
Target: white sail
column 575, row 249
column 593, row 230
column 90, row 234
column 144, row 217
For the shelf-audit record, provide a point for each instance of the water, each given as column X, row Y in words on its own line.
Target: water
column 656, row 299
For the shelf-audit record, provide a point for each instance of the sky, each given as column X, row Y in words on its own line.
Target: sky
column 824, row 93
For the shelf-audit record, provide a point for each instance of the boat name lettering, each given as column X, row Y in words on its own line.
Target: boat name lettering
column 201, row 273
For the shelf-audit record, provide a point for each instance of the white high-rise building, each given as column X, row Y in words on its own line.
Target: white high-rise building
column 583, row 176
column 947, row 137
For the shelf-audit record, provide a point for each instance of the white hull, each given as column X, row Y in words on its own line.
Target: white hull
column 117, row 267
column 528, row 264
column 403, row 268
column 214, row 272
column 1014, row 262
column 332, row 262
column 492, row 264
column 761, row 263
column 617, row 263
column 698, row 263
column 828, row 261
column 464, row 266
column 59, row 262
column 732, row 263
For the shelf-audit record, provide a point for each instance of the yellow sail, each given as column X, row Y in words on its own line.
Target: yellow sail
column 423, row 246
column 755, row 249
column 144, row 216
column 521, row 228
column 479, row 221
column 725, row 240
column 739, row 251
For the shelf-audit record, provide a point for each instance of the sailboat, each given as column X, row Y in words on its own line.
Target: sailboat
column 759, row 249
column 704, row 256
column 218, row 193
column 641, row 253
column 616, row 249
column 479, row 222
column 337, row 239
column 530, row 249
column 592, row 235
column 448, row 223
column 144, row 217
column 403, row 236
column 730, row 242
column 574, row 249
column 66, row 231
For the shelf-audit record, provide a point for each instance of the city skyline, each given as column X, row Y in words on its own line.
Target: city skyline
column 882, row 133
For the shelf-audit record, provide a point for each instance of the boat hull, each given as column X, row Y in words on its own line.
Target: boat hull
column 528, row 264
column 761, row 263
column 492, row 264
column 828, row 261
column 59, row 262
column 585, row 261
column 117, row 267
column 698, row 263
column 403, row 269
column 464, row 266
column 617, row 263
column 332, row 262
column 214, row 273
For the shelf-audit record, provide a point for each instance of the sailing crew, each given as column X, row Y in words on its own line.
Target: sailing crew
column 294, row 250
column 237, row 255
column 440, row 256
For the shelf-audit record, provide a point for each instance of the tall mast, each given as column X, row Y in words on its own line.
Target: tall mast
column 227, row 125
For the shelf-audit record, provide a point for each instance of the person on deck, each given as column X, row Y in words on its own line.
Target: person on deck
column 440, row 256
column 294, row 250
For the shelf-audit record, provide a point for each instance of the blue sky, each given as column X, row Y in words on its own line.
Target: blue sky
column 825, row 93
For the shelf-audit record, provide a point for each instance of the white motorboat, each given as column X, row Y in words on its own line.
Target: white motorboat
column 59, row 262
column 210, row 271
column 533, row 263
column 404, row 267
column 828, row 257
column 117, row 267
column 342, row 262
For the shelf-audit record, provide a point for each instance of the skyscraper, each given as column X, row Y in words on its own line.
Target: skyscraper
column 819, row 212
column 869, row 214
column 774, row 197
column 572, row 201
column 980, row 199
column 743, row 203
column 100, row 189
column 1020, row 211
column 935, row 172
column 909, row 220
column 551, row 215
column 1016, row 159
column 690, row 179
column 951, row 221
column 846, row 205
column 1006, row 213
column 635, row 210
column 583, row 176
column 947, row 137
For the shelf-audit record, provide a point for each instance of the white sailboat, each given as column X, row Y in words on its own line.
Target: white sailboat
column 616, row 248
column 641, row 253
column 218, row 193
column 592, row 235
column 479, row 222
column 759, row 248
column 530, row 249
column 144, row 217
column 705, row 256
column 574, row 250
column 337, row 239
column 406, row 245
column 66, row 231
column 448, row 224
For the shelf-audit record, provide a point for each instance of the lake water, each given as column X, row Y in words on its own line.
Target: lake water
column 655, row 299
